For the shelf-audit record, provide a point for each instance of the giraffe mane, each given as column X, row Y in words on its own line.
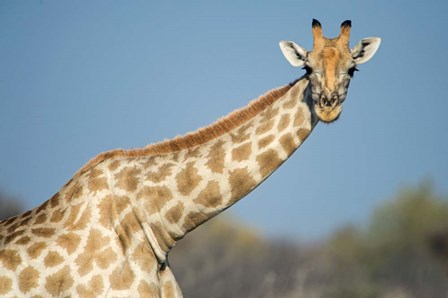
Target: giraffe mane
column 198, row 137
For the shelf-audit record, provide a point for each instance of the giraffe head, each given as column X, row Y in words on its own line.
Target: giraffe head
column 330, row 65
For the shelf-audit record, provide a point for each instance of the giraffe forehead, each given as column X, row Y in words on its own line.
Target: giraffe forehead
column 330, row 58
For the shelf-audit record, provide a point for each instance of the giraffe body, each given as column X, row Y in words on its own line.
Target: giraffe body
column 108, row 231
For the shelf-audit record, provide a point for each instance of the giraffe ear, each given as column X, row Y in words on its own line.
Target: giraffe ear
column 294, row 53
column 365, row 49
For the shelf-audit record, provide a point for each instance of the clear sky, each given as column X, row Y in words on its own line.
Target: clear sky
column 81, row 77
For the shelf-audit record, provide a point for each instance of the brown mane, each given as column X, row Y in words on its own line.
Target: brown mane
column 198, row 137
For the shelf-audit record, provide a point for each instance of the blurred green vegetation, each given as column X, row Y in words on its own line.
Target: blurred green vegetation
column 9, row 206
column 389, row 256
column 400, row 251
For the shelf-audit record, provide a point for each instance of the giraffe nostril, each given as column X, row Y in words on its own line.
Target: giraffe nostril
column 328, row 101
column 334, row 99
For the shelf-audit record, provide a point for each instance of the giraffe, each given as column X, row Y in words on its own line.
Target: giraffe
column 108, row 231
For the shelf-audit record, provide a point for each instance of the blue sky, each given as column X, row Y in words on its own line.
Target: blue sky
column 81, row 77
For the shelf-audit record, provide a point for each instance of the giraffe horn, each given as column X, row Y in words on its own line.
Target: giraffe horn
column 345, row 32
column 316, row 27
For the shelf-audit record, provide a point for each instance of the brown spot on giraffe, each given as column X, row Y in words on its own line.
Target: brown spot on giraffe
column 164, row 240
column 23, row 241
column 303, row 133
column 154, row 198
column 59, row 282
column 290, row 103
column 287, row 143
column 121, row 203
column 299, row 118
column 28, row 279
column 174, row 214
column 10, row 259
column 130, row 223
column 122, row 277
column 55, row 200
column 96, row 182
column 269, row 114
column 241, row 183
column 194, row 219
column 114, row 165
column 92, row 289
column 105, row 258
column 128, row 179
column 160, row 174
column 265, row 141
column 265, row 127
column 216, row 157
column 140, row 256
column 268, row 162
column 210, row 195
column 36, row 249
column 5, row 285
column 41, row 218
column 168, row 289
column 57, row 216
column 106, row 216
column 52, row 259
column 43, row 232
column 284, row 122
column 242, row 152
column 188, row 179
column 146, row 290
column 69, row 241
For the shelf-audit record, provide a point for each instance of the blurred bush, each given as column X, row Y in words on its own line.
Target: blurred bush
column 9, row 206
column 389, row 257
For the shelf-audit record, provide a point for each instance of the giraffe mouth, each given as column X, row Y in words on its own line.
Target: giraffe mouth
column 327, row 106
column 328, row 114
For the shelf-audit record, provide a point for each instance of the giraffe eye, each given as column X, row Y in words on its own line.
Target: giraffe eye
column 351, row 71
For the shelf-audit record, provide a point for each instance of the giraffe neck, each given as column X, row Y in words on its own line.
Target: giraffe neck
column 177, row 191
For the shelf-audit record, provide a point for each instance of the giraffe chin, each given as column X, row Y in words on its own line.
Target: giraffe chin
column 328, row 115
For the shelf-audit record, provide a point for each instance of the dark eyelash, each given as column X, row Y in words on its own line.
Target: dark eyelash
column 351, row 71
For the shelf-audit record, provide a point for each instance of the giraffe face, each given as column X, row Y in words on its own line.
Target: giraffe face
column 330, row 67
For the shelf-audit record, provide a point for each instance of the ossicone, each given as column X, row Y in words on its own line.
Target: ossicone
column 316, row 27
column 344, row 36
column 316, row 23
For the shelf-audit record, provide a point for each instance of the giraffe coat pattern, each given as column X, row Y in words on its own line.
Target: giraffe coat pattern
column 108, row 231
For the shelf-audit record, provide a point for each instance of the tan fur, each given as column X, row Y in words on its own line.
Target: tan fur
column 318, row 36
column 331, row 61
column 201, row 136
column 344, row 36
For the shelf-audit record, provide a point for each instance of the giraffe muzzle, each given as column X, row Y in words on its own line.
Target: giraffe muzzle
column 328, row 107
